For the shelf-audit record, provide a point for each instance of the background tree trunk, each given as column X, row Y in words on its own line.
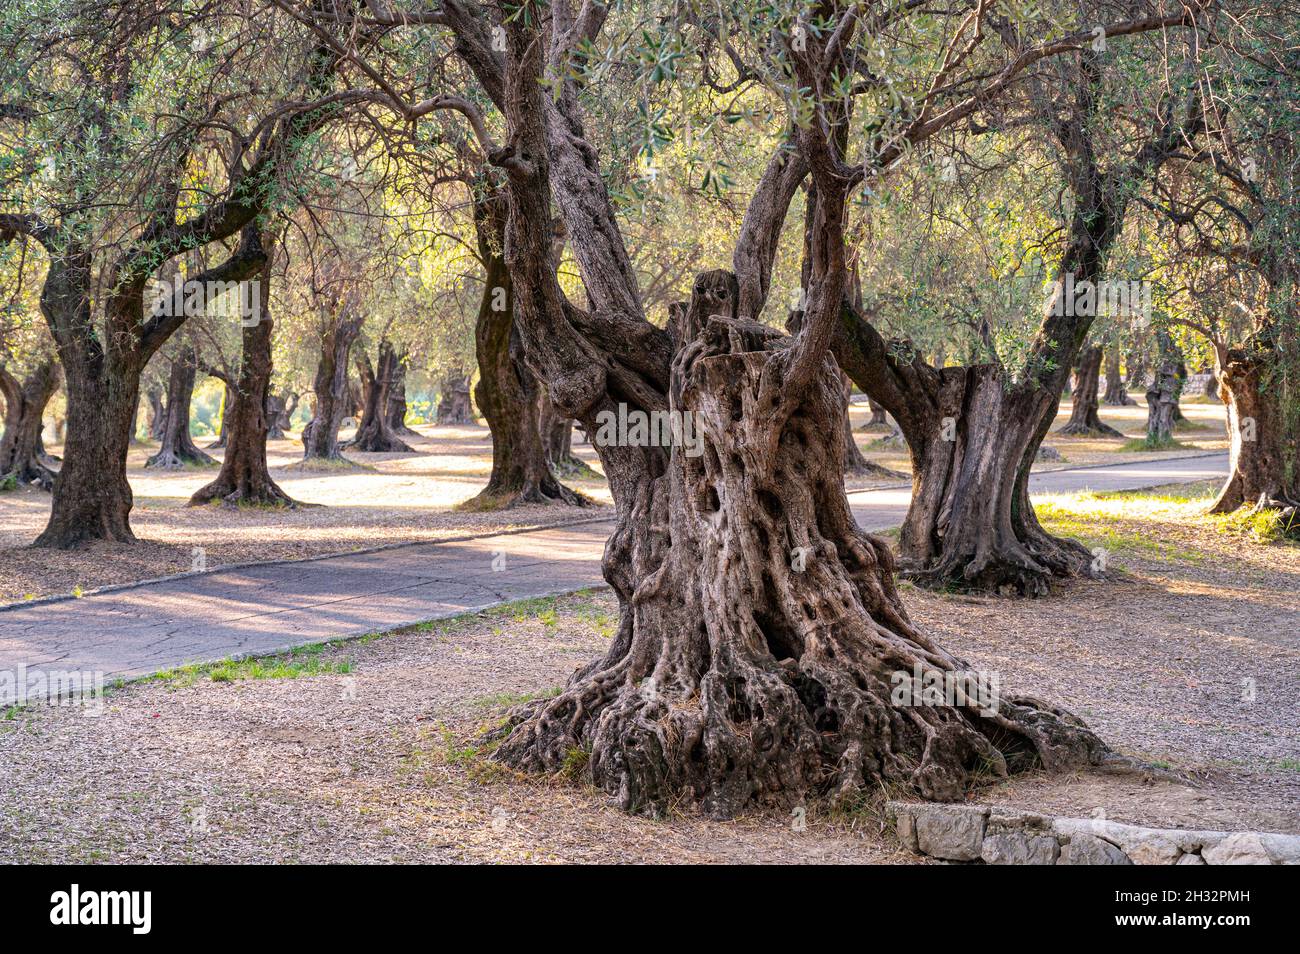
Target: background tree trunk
column 157, row 414
column 177, row 448
column 1084, row 421
column 320, row 438
column 1162, row 396
column 227, row 412
column 375, row 432
column 244, row 478
column 279, row 414
column 21, row 451
column 397, row 402
column 1263, row 462
column 1116, row 389
column 453, row 400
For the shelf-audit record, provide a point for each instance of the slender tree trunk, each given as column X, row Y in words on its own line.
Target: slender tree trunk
column 375, row 432
column 177, row 449
column 21, row 451
column 157, row 414
column 1116, row 389
column 1263, row 459
column 453, row 401
column 227, row 411
column 320, row 438
column 1084, row 421
column 244, row 478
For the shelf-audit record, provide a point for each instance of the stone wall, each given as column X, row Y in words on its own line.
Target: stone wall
column 1004, row 836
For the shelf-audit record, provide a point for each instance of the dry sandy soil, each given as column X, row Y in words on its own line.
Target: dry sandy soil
column 365, row 750
column 388, row 498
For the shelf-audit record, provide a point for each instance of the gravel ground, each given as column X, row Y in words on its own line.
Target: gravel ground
column 366, row 759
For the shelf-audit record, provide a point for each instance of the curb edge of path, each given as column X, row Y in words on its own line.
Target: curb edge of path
column 117, row 587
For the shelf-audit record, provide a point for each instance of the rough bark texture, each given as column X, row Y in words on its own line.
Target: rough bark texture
column 244, row 478
column 737, row 679
column 320, row 438
column 22, row 456
column 734, row 679
column 453, row 401
column 279, row 414
column 397, row 403
column 507, row 392
column 1084, row 421
column 879, row 416
column 177, row 449
column 1116, row 388
column 1162, row 395
column 1263, row 461
column 375, row 432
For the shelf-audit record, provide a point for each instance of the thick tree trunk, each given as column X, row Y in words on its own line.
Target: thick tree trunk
column 21, row 452
column 397, row 403
column 557, row 437
column 177, row 449
column 760, row 654
column 92, row 497
column 1084, row 421
column 453, row 401
column 375, row 432
column 1162, row 396
column 320, row 438
column 1116, row 389
column 507, row 392
column 244, row 478
column 1263, row 460
column 761, row 644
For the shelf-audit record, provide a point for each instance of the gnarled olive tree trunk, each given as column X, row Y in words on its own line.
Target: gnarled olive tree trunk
column 177, row 449
column 320, row 438
column 1084, row 421
column 244, row 478
column 507, row 392
column 760, row 639
column 21, row 451
column 1263, row 461
column 375, row 432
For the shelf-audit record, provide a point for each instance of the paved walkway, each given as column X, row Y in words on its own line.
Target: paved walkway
column 137, row 630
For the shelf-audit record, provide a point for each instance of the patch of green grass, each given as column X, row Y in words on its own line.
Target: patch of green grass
column 504, row 700
column 8, row 482
column 1288, row 765
column 1140, row 445
column 1261, row 525
column 1078, row 516
column 574, row 767
column 298, row 662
